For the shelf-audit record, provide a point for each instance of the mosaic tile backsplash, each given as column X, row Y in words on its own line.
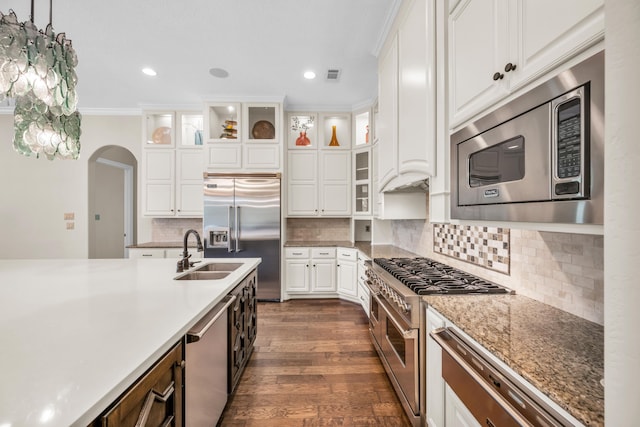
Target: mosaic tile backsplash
column 484, row 246
column 564, row 270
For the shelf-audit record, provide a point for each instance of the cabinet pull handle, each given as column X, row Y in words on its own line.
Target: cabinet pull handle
column 498, row 76
column 148, row 403
column 509, row 67
column 297, row 253
column 147, row 254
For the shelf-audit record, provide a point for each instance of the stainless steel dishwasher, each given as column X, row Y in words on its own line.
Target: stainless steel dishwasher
column 206, row 367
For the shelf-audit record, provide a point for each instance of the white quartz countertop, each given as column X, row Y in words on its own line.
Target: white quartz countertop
column 75, row 334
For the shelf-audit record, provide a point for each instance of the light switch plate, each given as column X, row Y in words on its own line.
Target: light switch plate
column 69, row 216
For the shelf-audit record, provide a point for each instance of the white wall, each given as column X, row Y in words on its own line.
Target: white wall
column 622, row 203
column 36, row 193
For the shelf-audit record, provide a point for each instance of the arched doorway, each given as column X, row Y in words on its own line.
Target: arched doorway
column 112, row 208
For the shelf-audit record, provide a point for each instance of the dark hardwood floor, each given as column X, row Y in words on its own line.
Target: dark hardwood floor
column 313, row 365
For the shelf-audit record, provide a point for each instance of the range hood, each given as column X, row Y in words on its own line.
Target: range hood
column 408, row 183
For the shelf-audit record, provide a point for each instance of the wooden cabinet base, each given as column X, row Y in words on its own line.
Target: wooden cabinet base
column 156, row 399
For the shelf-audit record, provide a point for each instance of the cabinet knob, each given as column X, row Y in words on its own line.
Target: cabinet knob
column 509, row 67
column 498, row 76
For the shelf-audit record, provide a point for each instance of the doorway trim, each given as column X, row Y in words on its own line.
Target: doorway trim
column 128, row 199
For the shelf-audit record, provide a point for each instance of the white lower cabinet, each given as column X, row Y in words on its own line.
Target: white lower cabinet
column 310, row 271
column 457, row 414
column 435, row 383
column 363, row 290
column 348, row 273
column 324, row 272
column 163, row 253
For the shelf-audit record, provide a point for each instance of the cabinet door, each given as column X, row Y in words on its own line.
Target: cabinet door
column 297, row 274
column 302, row 183
column 335, row 186
column 347, row 278
column 159, row 182
column 435, row 383
column 387, row 120
column 547, row 32
column 478, row 48
column 457, row 415
column 155, row 398
column 323, row 275
column 189, row 183
column 262, row 156
column 224, row 156
column 416, row 93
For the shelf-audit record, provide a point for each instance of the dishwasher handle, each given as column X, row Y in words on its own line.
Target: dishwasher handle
column 203, row 325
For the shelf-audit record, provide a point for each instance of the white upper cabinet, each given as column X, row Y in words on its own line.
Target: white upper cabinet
column 405, row 124
column 243, row 136
column 319, row 164
column 172, row 165
column 387, row 120
column 416, row 95
column 498, row 46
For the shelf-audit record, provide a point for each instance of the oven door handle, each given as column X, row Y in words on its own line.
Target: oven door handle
column 406, row 333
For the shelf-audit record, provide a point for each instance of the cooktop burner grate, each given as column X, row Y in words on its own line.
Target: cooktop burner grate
column 425, row 276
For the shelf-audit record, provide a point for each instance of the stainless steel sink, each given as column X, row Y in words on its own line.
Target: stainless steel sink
column 204, row 275
column 219, row 266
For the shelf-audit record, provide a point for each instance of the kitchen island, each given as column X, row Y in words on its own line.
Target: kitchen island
column 77, row 333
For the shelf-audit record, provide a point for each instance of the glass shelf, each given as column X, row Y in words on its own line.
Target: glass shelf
column 191, row 128
column 362, row 130
column 223, row 122
column 159, row 129
column 342, row 123
column 303, row 125
column 262, row 122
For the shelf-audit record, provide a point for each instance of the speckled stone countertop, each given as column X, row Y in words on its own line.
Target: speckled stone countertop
column 148, row 245
column 372, row 251
column 318, row 243
column 560, row 354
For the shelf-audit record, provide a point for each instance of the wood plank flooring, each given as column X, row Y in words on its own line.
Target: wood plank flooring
column 313, row 365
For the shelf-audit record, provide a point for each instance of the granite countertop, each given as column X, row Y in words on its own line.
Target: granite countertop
column 372, row 251
column 560, row 354
column 76, row 333
column 154, row 245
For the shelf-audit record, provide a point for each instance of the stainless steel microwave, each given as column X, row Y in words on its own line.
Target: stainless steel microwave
column 539, row 158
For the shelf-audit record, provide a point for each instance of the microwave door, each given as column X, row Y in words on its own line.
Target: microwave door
column 507, row 164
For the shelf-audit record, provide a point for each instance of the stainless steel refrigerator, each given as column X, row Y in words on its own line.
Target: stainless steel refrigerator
column 242, row 219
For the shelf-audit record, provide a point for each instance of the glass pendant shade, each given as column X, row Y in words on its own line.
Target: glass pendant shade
column 38, row 69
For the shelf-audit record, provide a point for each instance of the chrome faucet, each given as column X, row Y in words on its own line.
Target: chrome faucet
column 184, row 263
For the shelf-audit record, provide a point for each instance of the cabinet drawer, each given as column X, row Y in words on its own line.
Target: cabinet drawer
column 146, row 253
column 323, row 252
column 296, row 252
column 156, row 396
column 347, row 254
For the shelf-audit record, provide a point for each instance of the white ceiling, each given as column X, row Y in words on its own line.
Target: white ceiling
column 265, row 45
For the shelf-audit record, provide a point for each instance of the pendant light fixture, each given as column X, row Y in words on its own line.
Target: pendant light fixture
column 37, row 68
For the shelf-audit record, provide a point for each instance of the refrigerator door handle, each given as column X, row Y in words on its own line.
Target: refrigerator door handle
column 231, row 231
column 237, row 229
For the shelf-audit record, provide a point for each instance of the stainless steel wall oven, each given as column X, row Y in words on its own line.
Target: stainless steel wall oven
column 539, row 158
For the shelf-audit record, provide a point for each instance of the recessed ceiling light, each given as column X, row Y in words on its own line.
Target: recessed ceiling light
column 230, row 108
column 149, row 71
column 309, row 75
column 219, row 72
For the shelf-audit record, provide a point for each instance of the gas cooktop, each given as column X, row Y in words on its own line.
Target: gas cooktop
column 425, row 276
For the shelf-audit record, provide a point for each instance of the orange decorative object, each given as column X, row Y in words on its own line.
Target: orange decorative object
column 366, row 136
column 303, row 140
column 334, row 140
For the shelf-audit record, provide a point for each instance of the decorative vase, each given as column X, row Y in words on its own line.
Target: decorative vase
column 302, row 139
column 334, row 140
column 366, row 135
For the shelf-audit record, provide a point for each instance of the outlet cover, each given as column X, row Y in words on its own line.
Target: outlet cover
column 71, row 225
